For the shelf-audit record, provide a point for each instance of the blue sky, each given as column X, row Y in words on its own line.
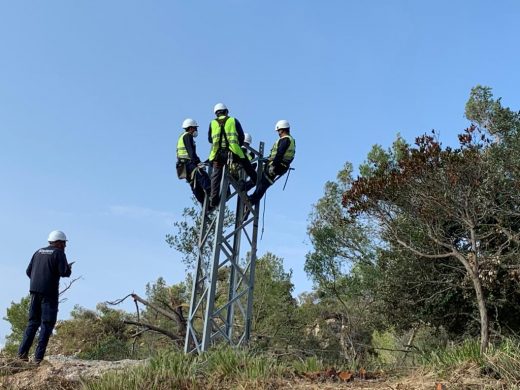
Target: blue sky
column 92, row 95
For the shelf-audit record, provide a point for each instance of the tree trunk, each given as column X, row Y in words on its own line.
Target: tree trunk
column 484, row 319
column 409, row 345
column 471, row 266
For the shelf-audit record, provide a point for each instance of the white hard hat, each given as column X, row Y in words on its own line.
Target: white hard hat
column 247, row 138
column 219, row 107
column 188, row 122
column 282, row 124
column 57, row 235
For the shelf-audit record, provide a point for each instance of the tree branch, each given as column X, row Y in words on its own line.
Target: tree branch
column 419, row 253
column 153, row 328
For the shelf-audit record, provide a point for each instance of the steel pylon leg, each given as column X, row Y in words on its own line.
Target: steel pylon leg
column 221, row 301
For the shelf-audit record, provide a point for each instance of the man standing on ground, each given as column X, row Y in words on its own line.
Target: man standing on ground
column 45, row 269
column 226, row 135
column 279, row 161
column 189, row 166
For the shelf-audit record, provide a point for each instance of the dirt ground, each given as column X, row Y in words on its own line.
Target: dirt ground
column 63, row 373
column 55, row 372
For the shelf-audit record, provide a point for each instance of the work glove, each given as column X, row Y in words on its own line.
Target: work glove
column 270, row 170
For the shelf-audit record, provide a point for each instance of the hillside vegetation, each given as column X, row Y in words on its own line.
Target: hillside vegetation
column 416, row 270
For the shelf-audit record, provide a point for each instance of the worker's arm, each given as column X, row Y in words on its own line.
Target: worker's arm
column 29, row 268
column 64, row 269
column 190, row 148
column 240, row 132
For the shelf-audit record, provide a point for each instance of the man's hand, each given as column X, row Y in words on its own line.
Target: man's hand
column 270, row 170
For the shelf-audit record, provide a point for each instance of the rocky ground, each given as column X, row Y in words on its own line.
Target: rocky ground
column 64, row 373
column 56, row 372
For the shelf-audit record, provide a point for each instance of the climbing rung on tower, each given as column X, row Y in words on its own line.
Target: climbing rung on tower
column 221, row 303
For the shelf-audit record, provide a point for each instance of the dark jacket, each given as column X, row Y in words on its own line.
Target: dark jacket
column 45, row 269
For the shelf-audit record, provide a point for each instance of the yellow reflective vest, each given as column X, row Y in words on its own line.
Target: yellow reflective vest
column 288, row 156
column 182, row 153
column 224, row 137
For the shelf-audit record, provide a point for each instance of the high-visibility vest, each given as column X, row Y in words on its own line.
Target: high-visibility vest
column 226, row 139
column 182, row 153
column 250, row 156
column 288, row 156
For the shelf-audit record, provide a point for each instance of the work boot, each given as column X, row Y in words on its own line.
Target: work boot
column 24, row 357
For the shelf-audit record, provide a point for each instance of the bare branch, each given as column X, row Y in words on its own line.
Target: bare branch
column 154, row 328
column 69, row 285
column 118, row 301
column 419, row 253
column 160, row 310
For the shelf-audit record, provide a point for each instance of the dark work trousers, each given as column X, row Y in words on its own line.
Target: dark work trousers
column 200, row 184
column 266, row 181
column 216, row 175
column 43, row 312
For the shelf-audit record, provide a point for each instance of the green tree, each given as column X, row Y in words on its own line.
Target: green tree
column 453, row 208
column 17, row 317
column 441, row 204
column 94, row 334
column 343, row 255
column 275, row 321
column 186, row 238
column 489, row 114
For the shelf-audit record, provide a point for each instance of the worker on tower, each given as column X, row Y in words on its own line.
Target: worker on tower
column 235, row 168
column 188, row 164
column 279, row 161
column 226, row 135
column 247, row 141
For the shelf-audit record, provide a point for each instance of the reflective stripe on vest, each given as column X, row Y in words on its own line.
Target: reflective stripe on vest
column 218, row 140
column 288, row 156
column 182, row 153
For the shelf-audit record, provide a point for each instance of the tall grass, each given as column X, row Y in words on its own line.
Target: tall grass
column 446, row 358
column 500, row 361
column 504, row 361
column 219, row 368
column 310, row 364
column 166, row 371
column 228, row 368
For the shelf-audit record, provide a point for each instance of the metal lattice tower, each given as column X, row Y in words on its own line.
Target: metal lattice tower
column 225, row 264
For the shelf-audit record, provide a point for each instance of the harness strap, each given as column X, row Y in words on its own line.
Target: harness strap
column 222, row 123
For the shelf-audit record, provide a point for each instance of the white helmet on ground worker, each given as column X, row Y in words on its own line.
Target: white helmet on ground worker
column 188, row 122
column 219, row 107
column 282, row 124
column 247, row 138
column 57, row 235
